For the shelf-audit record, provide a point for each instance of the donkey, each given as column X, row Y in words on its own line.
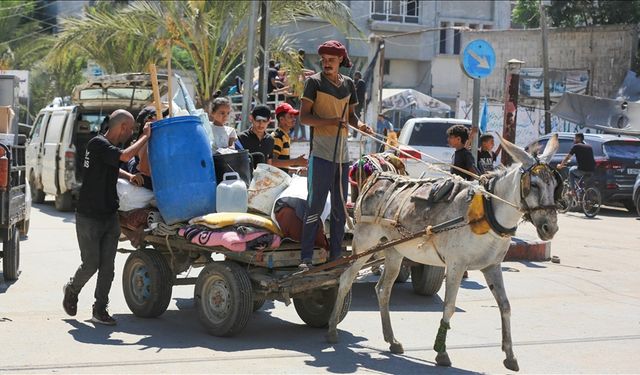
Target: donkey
column 477, row 244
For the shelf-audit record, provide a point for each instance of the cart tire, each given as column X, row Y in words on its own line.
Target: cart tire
column 37, row 195
column 64, row 202
column 403, row 276
column 11, row 256
column 315, row 308
column 147, row 283
column 426, row 279
column 224, row 298
column 258, row 303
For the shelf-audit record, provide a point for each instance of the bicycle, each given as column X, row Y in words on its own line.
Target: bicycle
column 586, row 197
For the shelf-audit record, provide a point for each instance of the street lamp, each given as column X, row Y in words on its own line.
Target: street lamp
column 512, row 84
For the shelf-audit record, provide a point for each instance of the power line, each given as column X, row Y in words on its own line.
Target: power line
column 28, row 35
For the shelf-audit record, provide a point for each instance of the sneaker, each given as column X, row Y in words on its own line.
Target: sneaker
column 70, row 301
column 102, row 317
column 305, row 265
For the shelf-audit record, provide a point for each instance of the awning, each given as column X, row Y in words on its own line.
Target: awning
column 395, row 99
column 608, row 115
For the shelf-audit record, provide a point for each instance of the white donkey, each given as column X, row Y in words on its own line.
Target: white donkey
column 479, row 243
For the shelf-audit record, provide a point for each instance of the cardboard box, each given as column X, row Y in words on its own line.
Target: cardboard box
column 6, row 119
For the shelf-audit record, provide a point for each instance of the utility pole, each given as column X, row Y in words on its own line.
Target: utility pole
column 247, row 88
column 264, row 53
column 512, row 83
column 545, row 69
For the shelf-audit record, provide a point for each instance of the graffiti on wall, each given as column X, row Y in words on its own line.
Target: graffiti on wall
column 560, row 81
column 530, row 122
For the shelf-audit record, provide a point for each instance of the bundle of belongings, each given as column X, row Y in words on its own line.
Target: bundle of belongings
column 233, row 230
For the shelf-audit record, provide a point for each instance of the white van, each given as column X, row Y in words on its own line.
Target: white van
column 428, row 135
column 60, row 134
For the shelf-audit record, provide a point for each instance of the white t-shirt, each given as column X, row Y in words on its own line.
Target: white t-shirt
column 221, row 136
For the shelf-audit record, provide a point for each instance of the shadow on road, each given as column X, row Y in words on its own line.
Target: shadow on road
column 49, row 209
column 181, row 329
column 4, row 285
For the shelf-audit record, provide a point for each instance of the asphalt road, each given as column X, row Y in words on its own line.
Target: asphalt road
column 579, row 316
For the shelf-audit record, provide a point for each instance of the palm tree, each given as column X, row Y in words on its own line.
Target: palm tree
column 212, row 35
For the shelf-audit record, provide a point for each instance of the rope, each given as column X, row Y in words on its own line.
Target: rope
column 473, row 175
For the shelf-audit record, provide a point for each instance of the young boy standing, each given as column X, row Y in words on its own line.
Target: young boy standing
column 486, row 156
column 457, row 136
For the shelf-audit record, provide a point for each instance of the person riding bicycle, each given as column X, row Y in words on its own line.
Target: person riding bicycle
column 584, row 157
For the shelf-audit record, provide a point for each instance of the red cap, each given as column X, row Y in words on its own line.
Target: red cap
column 286, row 108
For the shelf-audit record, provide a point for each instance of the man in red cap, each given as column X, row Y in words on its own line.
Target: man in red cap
column 328, row 104
column 286, row 116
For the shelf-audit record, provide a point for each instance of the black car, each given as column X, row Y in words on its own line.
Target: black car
column 617, row 163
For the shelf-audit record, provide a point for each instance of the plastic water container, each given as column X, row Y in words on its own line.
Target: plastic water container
column 231, row 195
column 184, row 179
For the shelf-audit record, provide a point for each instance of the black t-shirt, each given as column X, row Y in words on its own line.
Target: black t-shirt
column 98, row 196
column 486, row 160
column 361, row 88
column 462, row 158
column 584, row 157
column 273, row 75
column 251, row 142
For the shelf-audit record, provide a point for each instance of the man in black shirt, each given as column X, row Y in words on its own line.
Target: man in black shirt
column 584, row 158
column 273, row 82
column 97, row 224
column 457, row 136
column 255, row 139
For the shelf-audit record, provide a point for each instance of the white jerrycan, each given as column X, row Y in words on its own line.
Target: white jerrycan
column 231, row 194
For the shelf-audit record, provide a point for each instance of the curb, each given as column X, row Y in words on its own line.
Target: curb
column 531, row 250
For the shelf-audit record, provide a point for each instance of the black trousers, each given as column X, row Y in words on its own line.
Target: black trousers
column 98, row 241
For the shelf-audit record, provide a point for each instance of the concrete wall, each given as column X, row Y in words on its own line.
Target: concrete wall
column 446, row 76
column 606, row 51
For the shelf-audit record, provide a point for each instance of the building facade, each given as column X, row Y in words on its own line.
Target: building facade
column 421, row 45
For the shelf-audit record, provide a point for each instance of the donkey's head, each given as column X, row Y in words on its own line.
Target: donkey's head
column 540, row 186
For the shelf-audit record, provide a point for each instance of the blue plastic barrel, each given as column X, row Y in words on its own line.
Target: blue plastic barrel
column 184, row 179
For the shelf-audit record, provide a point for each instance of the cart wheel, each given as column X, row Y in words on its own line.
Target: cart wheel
column 426, row 279
column 64, row 202
column 146, row 283
column 11, row 257
column 224, row 298
column 315, row 308
column 258, row 303
column 403, row 276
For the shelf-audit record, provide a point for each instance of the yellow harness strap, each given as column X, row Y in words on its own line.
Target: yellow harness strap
column 476, row 215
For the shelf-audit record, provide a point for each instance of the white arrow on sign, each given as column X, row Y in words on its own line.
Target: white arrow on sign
column 482, row 61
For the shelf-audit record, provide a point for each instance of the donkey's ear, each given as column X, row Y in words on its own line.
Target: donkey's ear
column 552, row 147
column 518, row 154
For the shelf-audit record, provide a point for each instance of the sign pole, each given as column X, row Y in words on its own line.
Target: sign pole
column 475, row 117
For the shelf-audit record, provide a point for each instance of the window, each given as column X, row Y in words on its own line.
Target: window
column 457, row 38
column 386, row 68
column 35, row 131
column 443, row 37
column 622, row 149
column 403, row 11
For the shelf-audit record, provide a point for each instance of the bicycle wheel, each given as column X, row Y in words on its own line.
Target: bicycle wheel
column 591, row 202
column 564, row 203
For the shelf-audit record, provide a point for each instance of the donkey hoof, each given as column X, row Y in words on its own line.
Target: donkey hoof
column 442, row 359
column 332, row 337
column 511, row 364
column 396, row 348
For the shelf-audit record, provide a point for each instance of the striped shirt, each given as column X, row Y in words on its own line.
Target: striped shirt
column 329, row 101
column 282, row 144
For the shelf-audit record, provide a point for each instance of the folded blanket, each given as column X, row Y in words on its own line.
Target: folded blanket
column 233, row 240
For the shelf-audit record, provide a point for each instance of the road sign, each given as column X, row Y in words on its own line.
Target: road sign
column 478, row 59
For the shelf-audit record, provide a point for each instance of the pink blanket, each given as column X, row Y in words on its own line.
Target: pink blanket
column 231, row 240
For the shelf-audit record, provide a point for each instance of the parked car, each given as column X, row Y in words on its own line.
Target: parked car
column 429, row 136
column 60, row 134
column 636, row 194
column 617, row 163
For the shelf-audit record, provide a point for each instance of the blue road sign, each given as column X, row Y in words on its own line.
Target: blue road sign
column 478, row 59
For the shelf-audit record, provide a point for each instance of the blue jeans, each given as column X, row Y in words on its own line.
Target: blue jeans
column 319, row 184
column 574, row 174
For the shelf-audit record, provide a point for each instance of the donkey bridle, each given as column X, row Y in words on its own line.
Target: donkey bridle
column 525, row 189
